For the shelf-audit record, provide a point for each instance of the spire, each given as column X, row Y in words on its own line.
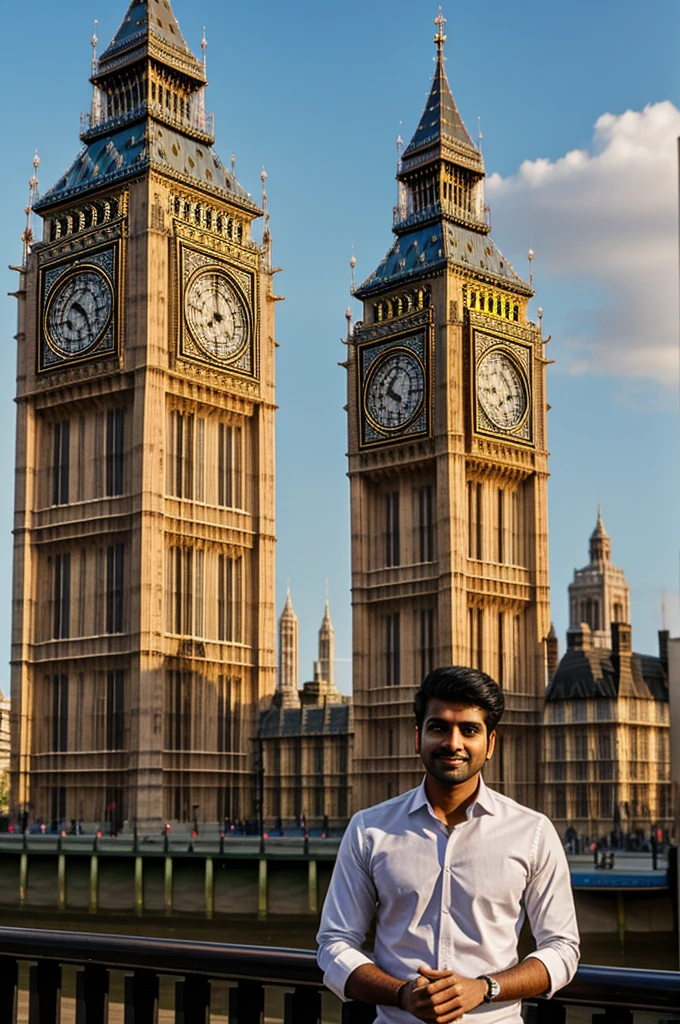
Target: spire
column 151, row 29
column 289, row 662
column 327, row 648
column 440, row 120
column 600, row 542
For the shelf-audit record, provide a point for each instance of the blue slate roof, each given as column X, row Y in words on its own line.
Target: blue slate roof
column 146, row 21
column 125, row 153
column 595, row 673
column 428, row 248
column 315, row 721
column 440, row 118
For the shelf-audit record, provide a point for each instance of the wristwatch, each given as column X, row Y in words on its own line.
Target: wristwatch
column 493, row 988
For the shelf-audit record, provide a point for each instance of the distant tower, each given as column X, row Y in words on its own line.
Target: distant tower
column 599, row 594
column 288, row 656
column 327, row 649
column 552, row 648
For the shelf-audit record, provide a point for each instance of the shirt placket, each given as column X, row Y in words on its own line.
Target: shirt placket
column 445, row 953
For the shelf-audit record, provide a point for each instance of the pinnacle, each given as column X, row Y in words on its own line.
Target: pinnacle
column 599, row 530
column 440, row 117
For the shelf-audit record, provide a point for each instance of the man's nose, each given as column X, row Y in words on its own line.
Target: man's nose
column 455, row 738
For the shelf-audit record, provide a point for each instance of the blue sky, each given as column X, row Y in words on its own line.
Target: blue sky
column 318, row 95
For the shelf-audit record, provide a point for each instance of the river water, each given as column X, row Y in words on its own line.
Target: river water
column 648, row 950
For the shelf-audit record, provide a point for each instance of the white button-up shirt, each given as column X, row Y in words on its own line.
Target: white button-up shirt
column 448, row 899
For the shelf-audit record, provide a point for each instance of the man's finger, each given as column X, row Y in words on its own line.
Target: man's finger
column 429, row 972
column 443, row 984
column 445, row 997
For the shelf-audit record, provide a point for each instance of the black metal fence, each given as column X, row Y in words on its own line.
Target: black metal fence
column 613, row 993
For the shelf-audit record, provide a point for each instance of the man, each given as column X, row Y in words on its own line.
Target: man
column 449, row 870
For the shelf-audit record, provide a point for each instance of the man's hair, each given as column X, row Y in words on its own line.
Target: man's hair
column 459, row 685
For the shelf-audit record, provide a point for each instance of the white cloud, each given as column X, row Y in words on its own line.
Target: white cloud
column 604, row 227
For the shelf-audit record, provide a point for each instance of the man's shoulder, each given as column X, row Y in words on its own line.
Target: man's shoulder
column 386, row 812
column 505, row 805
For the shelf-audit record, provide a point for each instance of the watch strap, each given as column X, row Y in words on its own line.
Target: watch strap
column 489, row 986
column 400, row 994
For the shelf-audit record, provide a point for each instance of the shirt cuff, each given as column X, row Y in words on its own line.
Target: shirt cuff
column 340, row 968
column 554, row 964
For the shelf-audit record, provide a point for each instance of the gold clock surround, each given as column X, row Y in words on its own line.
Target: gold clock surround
column 519, row 357
column 377, row 344
column 193, row 263
column 102, row 263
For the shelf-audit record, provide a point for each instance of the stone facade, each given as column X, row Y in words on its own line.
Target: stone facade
column 448, row 467
column 606, row 720
column 143, row 611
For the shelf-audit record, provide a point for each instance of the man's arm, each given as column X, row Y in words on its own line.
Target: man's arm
column 549, row 903
column 347, row 912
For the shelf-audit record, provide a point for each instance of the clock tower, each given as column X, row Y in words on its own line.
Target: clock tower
column 448, row 466
column 143, row 610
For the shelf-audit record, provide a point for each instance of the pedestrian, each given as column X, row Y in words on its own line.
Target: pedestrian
column 449, row 870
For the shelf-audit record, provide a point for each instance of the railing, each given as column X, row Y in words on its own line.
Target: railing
column 249, row 971
column 406, row 218
column 195, row 119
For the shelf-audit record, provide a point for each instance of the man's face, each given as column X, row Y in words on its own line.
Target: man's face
column 453, row 743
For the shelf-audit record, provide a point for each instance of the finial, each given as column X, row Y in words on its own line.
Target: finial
column 204, row 47
column 27, row 236
column 94, row 42
column 266, row 236
column 440, row 38
column 540, row 319
column 479, row 136
column 353, row 263
column 530, row 257
column 233, row 162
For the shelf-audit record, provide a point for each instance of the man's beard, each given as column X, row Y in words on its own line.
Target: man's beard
column 452, row 776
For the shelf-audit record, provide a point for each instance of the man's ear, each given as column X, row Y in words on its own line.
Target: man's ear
column 491, row 745
column 416, row 739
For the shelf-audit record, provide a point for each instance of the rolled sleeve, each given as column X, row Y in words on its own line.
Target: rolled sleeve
column 549, row 902
column 347, row 912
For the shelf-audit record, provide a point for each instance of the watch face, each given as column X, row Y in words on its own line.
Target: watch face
column 501, row 390
column 79, row 311
column 216, row 315
column 395, row 390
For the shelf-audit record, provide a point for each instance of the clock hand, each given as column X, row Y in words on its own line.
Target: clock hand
column 393, row 394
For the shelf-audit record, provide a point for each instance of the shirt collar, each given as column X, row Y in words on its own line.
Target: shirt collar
column 484, row 802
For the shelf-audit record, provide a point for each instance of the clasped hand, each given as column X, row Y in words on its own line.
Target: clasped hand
column 439, row 997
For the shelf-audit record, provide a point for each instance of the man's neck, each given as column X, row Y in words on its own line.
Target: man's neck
column 450, row 803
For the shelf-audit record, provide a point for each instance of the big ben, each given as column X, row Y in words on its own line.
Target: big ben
column 143, row 612
column 448, row 466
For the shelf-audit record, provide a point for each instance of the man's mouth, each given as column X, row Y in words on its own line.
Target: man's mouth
column 453, row 760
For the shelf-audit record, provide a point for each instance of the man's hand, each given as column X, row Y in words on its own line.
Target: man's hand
column 439, row 997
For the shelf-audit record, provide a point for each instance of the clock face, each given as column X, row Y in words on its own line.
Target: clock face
column 216, row 315
column 501, row 390
column 395, row 390
column 79, row 311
